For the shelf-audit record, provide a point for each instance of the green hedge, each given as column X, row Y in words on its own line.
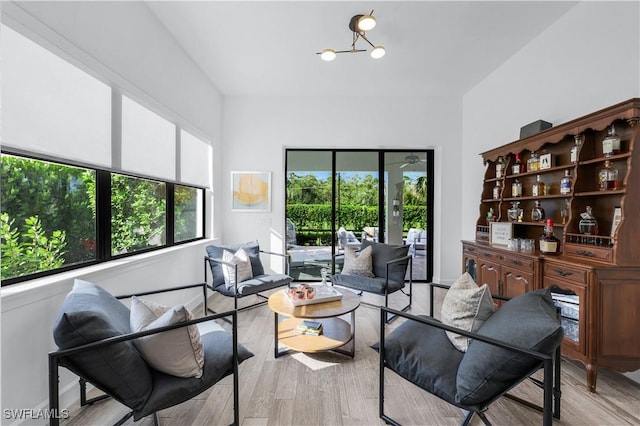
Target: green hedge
column 313, row 221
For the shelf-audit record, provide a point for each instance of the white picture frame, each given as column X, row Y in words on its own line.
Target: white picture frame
column 251, row 191
column 500, row 233
column 546, row 161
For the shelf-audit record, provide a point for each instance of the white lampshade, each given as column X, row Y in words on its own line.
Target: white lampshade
column 378, row 52
column 366, row 23
column 328, row 55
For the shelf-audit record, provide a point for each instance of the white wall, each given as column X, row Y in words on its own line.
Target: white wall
column 587, row 60
column 122, row 44
column 257, row 130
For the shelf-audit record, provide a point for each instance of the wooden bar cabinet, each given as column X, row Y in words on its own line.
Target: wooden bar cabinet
column 596, row 278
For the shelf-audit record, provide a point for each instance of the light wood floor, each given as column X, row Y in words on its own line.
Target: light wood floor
column 331, row 389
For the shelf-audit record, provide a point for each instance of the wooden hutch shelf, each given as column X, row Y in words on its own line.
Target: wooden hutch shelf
column 596, row 278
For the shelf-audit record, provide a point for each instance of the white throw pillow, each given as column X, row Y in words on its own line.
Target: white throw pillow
column 177, row 352
column 240, row 258
column 466, row 306
column 358, row 263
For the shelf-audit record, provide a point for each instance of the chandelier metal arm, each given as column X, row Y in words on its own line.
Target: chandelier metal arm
column 366, row 39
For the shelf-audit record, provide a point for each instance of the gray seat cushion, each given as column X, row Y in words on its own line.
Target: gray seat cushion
column 530, row 321
column 170, row 390
column 424, row 356
column 89, row 313
column 215, row 252
column 368, row 284
column 255, row 285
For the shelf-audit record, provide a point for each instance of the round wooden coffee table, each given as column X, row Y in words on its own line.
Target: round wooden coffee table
column 336, row 332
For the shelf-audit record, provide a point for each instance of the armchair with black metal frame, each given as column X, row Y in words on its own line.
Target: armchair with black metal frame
column 95, row 342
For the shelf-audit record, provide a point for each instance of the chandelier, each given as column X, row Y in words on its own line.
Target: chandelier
column 358, row 25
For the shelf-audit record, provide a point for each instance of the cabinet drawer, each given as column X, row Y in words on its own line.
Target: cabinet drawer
column 589, row 252
column 484, row 253
column 522, row 263
column 563, row 272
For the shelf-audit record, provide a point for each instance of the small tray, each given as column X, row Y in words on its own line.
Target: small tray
column 335, row 295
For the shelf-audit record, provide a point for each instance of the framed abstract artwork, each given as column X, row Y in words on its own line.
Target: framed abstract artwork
column 251, row 191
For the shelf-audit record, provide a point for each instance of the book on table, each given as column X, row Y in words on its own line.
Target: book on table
column 313, row 328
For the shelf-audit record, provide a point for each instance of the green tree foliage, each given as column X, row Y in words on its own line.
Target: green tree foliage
column 57, row 205
column 309, row 204
column 30, row 251
column 138, row 210
column 59, row 196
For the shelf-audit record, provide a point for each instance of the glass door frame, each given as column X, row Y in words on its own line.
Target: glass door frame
column 429, row 169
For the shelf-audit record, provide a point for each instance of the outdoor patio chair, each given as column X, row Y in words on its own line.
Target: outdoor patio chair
column 388, row 274
column 254, row 280
column 346, row 239
column 164, row 364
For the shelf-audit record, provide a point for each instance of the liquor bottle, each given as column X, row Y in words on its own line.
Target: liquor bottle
column 611, row 144
column 539, row 188
column 549, row 244
column 566, row 183
column 518, row 166
column 516, row 188
column 533, row 163
column 573, row 154
column 515, row 212
column 537, row 213
column 496, row 191
column 500, row 167
column 588, row 224
column 607, row 177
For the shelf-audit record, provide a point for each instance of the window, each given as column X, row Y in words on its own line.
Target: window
column 138, row 214
column 48, row 216
column 88, row 172
column 49, row 221
column 188, row 213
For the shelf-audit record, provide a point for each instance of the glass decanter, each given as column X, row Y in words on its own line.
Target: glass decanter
column 588, row 224
column 537, row 213
column 324, row 289
column 515, row 211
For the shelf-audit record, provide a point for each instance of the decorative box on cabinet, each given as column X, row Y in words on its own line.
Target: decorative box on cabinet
column 596, row 279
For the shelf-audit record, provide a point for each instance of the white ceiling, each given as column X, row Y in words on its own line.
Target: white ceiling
column 268, row 48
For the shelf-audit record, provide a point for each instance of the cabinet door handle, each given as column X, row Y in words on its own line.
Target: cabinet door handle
column 516, row 262
column 562, row 272
column 586, row 253
column 487, row 254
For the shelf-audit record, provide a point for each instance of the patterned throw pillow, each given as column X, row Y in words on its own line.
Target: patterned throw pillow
column 177, row 352
column 358, row 263
column 240, row 258
column 466, row 306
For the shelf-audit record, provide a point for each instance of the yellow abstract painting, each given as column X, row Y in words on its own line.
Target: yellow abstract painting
column 251, row 191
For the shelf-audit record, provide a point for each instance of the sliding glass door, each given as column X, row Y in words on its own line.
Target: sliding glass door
column 337, row 198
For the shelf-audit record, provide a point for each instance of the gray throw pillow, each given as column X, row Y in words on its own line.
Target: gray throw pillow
column 466, row 306
column 358, row 263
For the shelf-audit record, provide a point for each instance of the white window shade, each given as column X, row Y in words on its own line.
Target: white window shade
column 50, row 106
column 195, row 160
column 148, row 142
